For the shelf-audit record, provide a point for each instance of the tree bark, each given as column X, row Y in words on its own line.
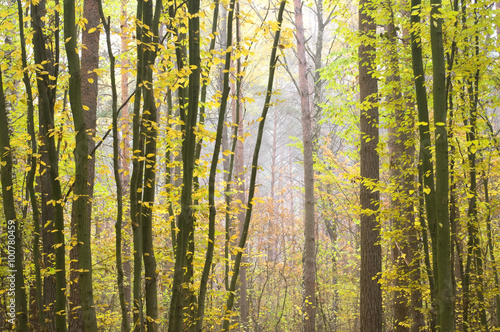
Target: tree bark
column 371, row 253
column 15, row 270
column 36, row 305
column 90, row 62
column 52, row 217
column 125, row 153
column 444, row 284
column 426, row 173
column 309, row 255
column 186, row 219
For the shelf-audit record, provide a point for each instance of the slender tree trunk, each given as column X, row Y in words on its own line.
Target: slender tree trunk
column 401, row 156
column 371, row 253
column 426, row 173
column 215, row 158
column 52, row 215
column 125, row 326
column 491, row 248
column 15, row 272
column 239, row 176
column 149, row 127
column 398, row 138
column 474, row 253
column 186, row 218
column 125, row 153
column 36, row 313
column 244, row 234
column 136, row 188
column 309, row 255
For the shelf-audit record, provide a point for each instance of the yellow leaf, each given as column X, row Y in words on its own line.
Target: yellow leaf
column 86, row 108
column 91, row 80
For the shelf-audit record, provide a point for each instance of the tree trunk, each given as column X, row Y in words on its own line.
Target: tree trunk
column 36, row 304
column 444, row 284
column 90, row 62
column 186, row 218
column 398, row 138
column 81, row 189
column 309, row 255
column 239, row 176
column 52, row 215
column 426, row 173
column 149, row 131
column 244, row 234
column 125, row 153
column 371, row 253
column 17, row 307
column 136, row 188
column 125, row 327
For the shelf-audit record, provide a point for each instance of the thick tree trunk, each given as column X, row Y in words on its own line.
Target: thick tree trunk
column 90, row 62
column 371, row 253
column 309, row 255
column 80, row 191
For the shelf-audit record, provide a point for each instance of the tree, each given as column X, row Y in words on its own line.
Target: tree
column 125, row 326
column 89, row 78
column 81, row 189
column 36, row 312
column 371, row 253
column 52, row 199
column 309, row 258
column 17, row 305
